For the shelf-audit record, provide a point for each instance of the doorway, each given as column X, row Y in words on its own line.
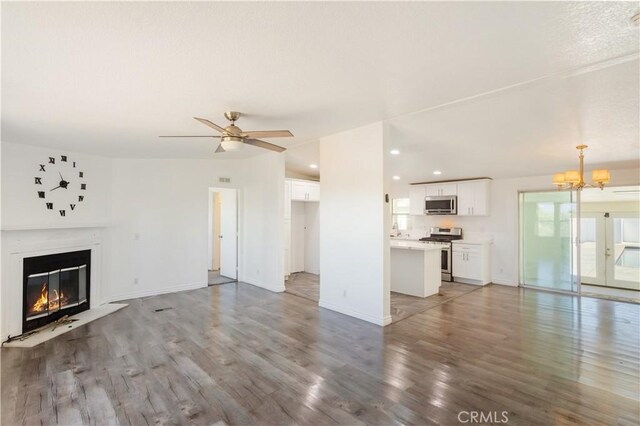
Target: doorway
column 610, row 242
column 223, row 236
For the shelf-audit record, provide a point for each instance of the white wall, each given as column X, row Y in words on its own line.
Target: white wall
column 502, row 225
column 23, row 209
column 159, row 234
column 352, row 224
column 160, row 222
column 262, row 258
column 312, row 237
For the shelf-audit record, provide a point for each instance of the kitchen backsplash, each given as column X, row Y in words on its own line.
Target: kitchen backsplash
column 472, row 227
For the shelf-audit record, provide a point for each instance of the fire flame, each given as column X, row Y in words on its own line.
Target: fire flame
column 44, row 302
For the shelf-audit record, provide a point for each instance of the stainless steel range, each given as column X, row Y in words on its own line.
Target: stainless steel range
column 444, row 236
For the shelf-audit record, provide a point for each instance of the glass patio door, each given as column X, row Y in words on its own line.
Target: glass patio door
column 547, row 230
column 622, row 251
column 593, row 248
column 610, row 249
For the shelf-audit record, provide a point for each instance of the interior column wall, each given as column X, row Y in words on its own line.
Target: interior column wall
column 353, row 264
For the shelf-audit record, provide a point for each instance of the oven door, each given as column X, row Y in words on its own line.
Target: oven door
column 445, row 260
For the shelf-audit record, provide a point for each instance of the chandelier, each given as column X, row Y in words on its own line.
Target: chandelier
column 574, row 179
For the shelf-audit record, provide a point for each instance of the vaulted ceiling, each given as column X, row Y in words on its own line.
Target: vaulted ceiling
column 475, row 80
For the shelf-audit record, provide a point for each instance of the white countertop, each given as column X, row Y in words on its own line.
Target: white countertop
column 414, row 245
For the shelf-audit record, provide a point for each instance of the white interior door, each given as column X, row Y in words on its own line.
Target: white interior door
column 215, row 253
column 229, row 233
column 297, row 236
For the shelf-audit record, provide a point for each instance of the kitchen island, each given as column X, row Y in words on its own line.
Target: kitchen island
column 415, row 268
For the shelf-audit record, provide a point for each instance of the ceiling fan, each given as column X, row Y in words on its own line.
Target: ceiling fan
column 233, row 138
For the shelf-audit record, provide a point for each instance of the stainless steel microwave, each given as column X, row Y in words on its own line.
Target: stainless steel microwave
column 447, row 204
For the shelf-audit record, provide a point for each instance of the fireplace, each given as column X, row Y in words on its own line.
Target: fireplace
column 54, row 286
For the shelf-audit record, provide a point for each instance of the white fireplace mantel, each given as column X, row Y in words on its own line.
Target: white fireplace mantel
column 18, row 245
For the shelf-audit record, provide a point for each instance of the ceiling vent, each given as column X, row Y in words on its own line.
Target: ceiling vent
column 225, row 180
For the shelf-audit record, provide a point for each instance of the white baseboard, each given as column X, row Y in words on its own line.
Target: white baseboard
column 382, row 321
column 504, row 282
column 277, row 289
column 468, row 281
column 155, row 292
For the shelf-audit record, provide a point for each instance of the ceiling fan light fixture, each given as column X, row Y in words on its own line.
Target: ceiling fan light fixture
column 232, row 144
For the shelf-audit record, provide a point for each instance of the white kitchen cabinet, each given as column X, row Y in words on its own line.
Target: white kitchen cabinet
column 298, row 190
column 416, row 200
column 474, row 197
column 303, row 190
column 471, row 262
column 313, row 191
column 441, row 189
column 287, row 199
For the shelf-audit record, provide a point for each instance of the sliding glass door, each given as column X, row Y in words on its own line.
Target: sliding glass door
column 547, row 234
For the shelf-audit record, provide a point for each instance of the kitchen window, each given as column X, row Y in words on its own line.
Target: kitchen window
column 400, row 213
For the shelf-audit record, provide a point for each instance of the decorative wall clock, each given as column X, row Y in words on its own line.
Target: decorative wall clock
column 60, row 185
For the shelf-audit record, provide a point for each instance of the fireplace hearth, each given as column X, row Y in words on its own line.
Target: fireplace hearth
column 54, row 286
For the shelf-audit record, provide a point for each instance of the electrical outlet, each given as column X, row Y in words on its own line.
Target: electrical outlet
column 136, row 236
column 135, row 281
column 344, row 293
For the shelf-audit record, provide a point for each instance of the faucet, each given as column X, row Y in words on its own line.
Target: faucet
column 395, row 231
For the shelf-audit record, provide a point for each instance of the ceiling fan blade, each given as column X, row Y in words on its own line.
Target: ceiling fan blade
column 220, row 149
column 210, row 124
column 187, row 136
column 268, row 134
column 265, row 145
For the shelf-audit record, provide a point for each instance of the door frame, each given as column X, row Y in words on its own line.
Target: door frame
column 601, row 239
column 610, row 268
column 221, row 190
column 575, row 240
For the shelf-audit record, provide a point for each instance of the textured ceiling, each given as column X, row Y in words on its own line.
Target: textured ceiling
column 107, row 78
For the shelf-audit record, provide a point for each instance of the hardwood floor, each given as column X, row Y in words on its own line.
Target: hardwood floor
column 304, row 284
column 307, row 285
column 403, row 306
column 215, row 278
column 237, row 354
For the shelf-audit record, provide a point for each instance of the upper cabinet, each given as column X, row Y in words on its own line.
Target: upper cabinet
column 441, row 189
column 473, row 198
column 305, row 190
column 416, row 199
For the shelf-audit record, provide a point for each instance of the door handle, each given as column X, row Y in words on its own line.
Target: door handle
column 219, row 236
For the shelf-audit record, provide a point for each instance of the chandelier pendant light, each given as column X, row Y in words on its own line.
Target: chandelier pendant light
column 574, row 179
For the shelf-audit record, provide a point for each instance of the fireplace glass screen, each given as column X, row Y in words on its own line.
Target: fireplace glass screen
column 55, row 290
column 55, row 286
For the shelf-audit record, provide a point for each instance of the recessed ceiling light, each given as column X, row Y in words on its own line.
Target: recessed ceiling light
column 437, row 172
column 394, row 152
column 313, row 166
column 396, row 178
